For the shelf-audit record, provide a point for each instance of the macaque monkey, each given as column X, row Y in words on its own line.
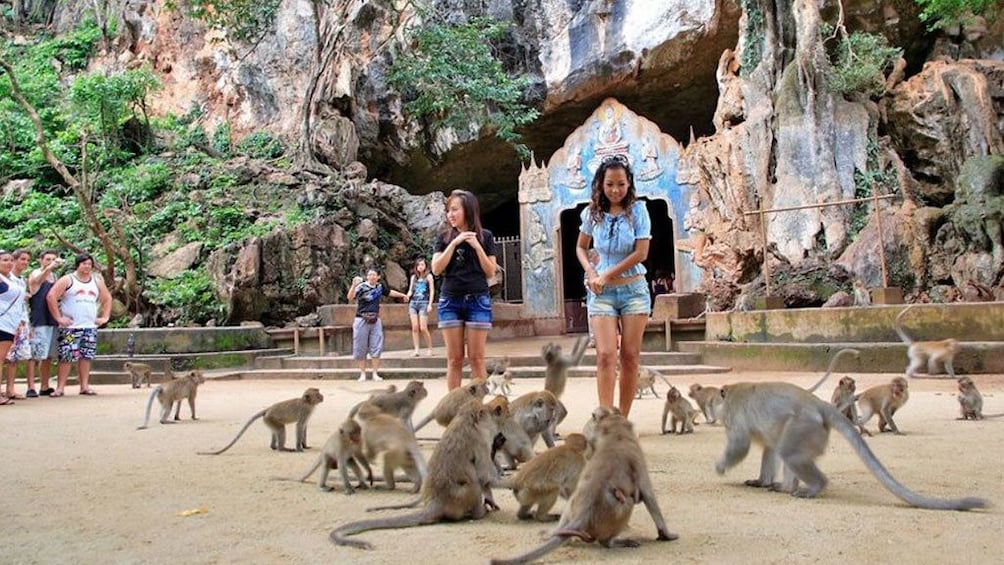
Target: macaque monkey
column 613, row 480
column 138, row 372
column 173, row 392
column 500, row 384
column 516, row 446
column 845, row 401
column 276, row 416
column 682, row 411
column 386, row 434
column 451, row 404
column 458, row 487
column 400, row 404
column 793, row 426
column 589, row 429
column 646, row 380
column 547, row 476
column 933, row 352
column 970, row 400
column 496, row 366
column 861, row 295
column 883, row 400
column 829, row 368
column 744, row 303
column 556, row 372
column 538, row 413
column 344, row 449
column 709, row 400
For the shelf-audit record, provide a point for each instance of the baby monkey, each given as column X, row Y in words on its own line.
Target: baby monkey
column 883, row 400
column 970, row 400
column 342, row 451
column 547, row 476
column 682, row 411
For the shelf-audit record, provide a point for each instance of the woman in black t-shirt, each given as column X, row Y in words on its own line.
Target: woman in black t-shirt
column 465, row 257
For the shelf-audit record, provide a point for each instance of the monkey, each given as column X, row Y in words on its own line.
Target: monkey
column 708, row 399
column 138, row 371
column 682, row 411
column 400, row 404
column 589, row 429
column 276, row 416
column 793, row 426
column 861, row 295
column 883, row 400
column 556, row 372
column 461, row 473
column 646, row 380
column 500, row 383
column 613, row 480
column 934, row 352
column 516, row 446
column 547, row 476
column 448, row 406
column 845, row 401
column 497, row 366
column 744, row 303
column 383, row 433
column 538, row 413
column 344, row 449
column 970, row 400
column 173, row 392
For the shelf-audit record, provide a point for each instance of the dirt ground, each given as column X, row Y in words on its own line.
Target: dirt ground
column 83, row 485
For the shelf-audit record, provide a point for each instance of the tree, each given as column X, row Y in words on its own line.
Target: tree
column 942, row 13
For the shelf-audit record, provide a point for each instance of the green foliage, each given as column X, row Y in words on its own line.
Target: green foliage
column 100, row 103
column 193, row 293
column 260, row 145
column 222, row 140
column 858, row 62
column 451, row 77
column 754, row 33
column 243, row 20
column 942, row 13
column 28, row 223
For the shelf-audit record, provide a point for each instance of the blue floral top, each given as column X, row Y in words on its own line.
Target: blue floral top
column 615, row 235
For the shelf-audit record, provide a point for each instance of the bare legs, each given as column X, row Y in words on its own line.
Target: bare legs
column 420, row 325
column 608, row 354
column 455, row 345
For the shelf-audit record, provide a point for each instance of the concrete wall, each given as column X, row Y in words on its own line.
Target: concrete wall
column 150, row 341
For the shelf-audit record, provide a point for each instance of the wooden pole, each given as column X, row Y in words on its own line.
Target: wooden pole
column 763, row 237
column 878, row 223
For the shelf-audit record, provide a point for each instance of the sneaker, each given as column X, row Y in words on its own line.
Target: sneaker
column 362, row 377
column 31, row 393
column 377, row 377
column 47, row 391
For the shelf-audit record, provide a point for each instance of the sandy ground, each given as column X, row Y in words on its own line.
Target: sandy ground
column 83, row 485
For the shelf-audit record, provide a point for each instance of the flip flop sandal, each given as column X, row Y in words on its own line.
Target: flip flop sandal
column 88, row 392
column 4, row 401
column 56, row 394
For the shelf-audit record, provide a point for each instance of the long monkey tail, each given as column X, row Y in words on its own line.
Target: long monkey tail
column 239, row 434
column 547, row 547
column 149, row 405
column 833, row 362
column 898, row 326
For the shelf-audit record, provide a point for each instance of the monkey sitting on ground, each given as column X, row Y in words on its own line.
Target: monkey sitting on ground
column 173, row 392
column 556, row 372
column 400, row 404
column 613, row 480
column 344, row 449
column 709, row 400
column 276, row 416
column 468, row 395
column 861, row 295
column 933, row 352
column 138, row 372
column 458, row 487
column 970, row 400
column 883, row 400
column 547, row 476
column 682, row 411
column 383, row 433
column 845, row 401
column 646, row 380
column 793, row 426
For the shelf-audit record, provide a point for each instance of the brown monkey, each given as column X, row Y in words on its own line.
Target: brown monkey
column 497, row 366
column 793, row 425
column 933, row 352
column 547, row 476
column 883, row 400
column 556, row 372
column 448, row 407
column 833, row 362
column 646, row 380
column 500, row 383
column 383, row 433
column 538, row 413
column 516, row 447
column 398, row 404
column 173, row 392
column 970, row 400
column 589, row 430
column 682, row 411
column 709, row 400
column 845, row 401
column 138, row 372
column 461, row 473
column 861, row 295
column 344, row 449
column 612, row 482
column 276, row 416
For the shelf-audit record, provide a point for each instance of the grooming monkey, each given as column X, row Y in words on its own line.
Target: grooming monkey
column 682, row 411
column 383, row 433
column 400, row 404
column 450, row 405
column 538, row 413
column 793, row 425
column 931, row 352
column 344, row 449
column 461, row 473
column 558, row 365
column 861, row 295
column 646, row 380
column 173, row 392
column 970, row 400
column 276, row 416
column 883, row 400
column 709, row 400
column 845, row 401
column 613, row 480
column 516, row 446
column 138, row 372
column 547, row 476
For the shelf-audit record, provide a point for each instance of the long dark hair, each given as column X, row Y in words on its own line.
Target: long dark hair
column 599, row 203
column 414, row 267
column 472, row 214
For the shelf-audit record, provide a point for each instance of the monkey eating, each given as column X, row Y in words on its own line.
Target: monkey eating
column 883, row 400
column 343, row 450
column 793, row 427
column 276, row 416
column 173, row 392
column 138, row 372
column 682, row 411
column 931, row 352
column 547, row 476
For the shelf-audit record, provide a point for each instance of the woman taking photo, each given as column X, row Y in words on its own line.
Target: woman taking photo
column 465, row 257
column 367, row 329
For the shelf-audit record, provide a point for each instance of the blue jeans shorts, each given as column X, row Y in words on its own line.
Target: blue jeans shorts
column 621, row 300
column 471, row 310
column 418, row 307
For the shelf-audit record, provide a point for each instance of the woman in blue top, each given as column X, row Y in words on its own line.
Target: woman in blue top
column 421, row 294
column 618, row 226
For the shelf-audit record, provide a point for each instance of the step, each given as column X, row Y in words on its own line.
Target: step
column 420, row 373
column 399, row 360
column 180, row 361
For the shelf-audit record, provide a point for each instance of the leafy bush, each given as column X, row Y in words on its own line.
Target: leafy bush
column 261, row 145
column 193, row 293
column 942, row 13
column 859, row 62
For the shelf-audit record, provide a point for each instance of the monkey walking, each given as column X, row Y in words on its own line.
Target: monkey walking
column 613, row 480
column 276, row 416
column 173, row 392
column 556, row 372
column 343, row 450
column 709, row 400
column 883, row 400
column 931, row 352
column 793, row 426
column 138, row 372
column 500, row 384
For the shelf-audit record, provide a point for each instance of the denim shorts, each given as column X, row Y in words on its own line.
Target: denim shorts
column 418, row 307
column 43, row 346
column 621, row 300
column 471, row 310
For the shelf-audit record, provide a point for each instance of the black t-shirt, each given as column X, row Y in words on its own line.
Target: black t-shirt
column 40, row 315
column 368, row 298
column 463, row 274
